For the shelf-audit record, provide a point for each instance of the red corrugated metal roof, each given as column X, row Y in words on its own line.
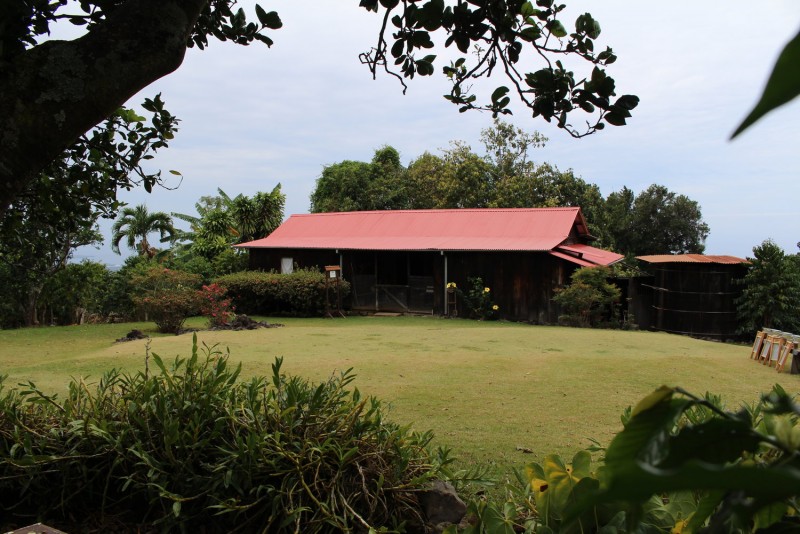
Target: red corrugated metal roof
column 521, row 229
column 572, row 259
column 530, row 229
column 691, row 258
column 593, row 255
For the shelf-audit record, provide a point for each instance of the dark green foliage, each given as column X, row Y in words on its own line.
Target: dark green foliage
column 190, row 448
column 500, row 34
column 744, row 466
column 222, row 221
column 479, row 301
column 505, row 177
column 135, row 224
column 301, row 293
column 78, row 292
column 656, row 221
column 682, row 463
column 590, row 300
column 58, row 211
column 771, row 289
column 360, row 186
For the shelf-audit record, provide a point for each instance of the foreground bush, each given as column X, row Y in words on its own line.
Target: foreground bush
column 681, row 464
column 301, row 293
column 190, row 448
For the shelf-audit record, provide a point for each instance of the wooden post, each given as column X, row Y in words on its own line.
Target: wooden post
column 333, row 275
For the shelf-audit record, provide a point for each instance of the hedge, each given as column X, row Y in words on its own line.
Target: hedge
column 301, row 293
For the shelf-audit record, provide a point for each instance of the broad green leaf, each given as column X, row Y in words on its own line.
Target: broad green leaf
column 717, row 441
column 769, row 515
column 270, row 19
column 556, row 28
column 782, row 86
column 646, row 435
column 662, row 394
column 708, row 503
column 581, row 465
column 499, row 93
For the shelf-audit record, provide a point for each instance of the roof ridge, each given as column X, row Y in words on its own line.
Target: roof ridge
column 438, row 210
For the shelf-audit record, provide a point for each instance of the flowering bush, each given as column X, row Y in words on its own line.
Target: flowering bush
column 216, row 305
column 479, row 300
column 167, row 297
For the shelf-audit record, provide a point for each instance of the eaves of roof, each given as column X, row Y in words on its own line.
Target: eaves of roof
column 692, row 258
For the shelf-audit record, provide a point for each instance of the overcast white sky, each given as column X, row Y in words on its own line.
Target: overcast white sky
column 253, row 116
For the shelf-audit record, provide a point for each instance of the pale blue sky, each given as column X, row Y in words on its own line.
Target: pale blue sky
column 253, row 117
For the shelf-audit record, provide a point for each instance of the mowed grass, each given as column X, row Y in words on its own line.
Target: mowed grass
column 487, row 389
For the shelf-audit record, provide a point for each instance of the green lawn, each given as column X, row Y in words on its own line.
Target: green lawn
column 485, row 388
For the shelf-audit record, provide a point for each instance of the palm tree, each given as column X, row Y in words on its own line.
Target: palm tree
column 137, row 223
column 222, row 221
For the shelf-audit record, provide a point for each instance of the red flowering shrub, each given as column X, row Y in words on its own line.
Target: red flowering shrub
column 167, row 297
column 216, row 305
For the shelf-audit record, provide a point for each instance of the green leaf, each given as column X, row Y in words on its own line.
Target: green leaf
column 615, row 119
column 783, row 85
column 627, row 102
column 769, row 515
column 705, row 508
column 556, row 28
column 717, row 441
column 662, row 394
column 270, row 20
column 526, row 10
column 499, row 93
column 645, row 436
column 530, row 33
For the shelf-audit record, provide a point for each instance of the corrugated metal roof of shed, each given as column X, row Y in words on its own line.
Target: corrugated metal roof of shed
column 596, row 256
column 522, row 229
column 692, row 258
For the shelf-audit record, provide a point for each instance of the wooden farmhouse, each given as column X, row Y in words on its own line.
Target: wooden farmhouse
column 689, row 294
column 402, row 261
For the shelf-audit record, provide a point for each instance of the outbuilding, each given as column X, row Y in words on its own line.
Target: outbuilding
column 402, row 260
column 691, row 294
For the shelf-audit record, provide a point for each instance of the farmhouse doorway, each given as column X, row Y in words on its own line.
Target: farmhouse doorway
column 393, row 281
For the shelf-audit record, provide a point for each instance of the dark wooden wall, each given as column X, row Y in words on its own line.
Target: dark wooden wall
column 522, row 283
column 269, row 259
column 698, row 299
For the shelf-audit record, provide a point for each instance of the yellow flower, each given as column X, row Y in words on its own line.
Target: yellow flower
column 486, row 289
column 495, row 307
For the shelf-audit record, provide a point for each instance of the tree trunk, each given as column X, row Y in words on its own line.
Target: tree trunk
column 54, row 92
column 31, row 312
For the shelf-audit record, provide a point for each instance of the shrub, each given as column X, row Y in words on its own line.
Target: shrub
column 300, row 293
column 216, row 306
column 192, row 449
column 682, row 463
column 167, row 297
column 479, row 300
column 590, row 299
